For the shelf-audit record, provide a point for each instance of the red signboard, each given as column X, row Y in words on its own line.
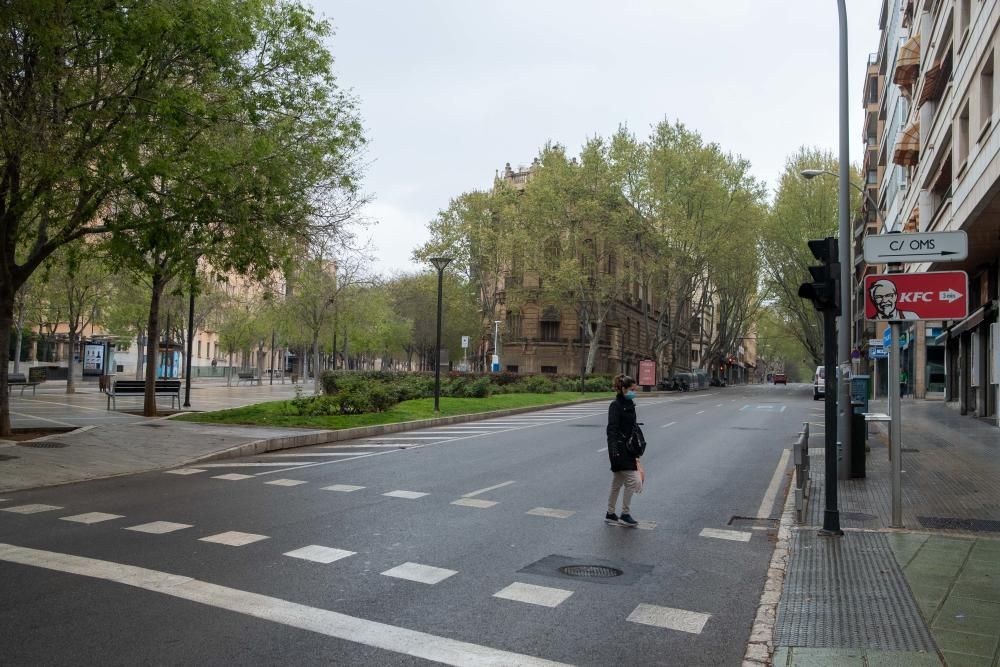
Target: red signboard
column 647, row 373
column 942, row 295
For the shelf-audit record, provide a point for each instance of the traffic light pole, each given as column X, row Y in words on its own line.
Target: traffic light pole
column 895, row 424
column 831, row 515
column 842, row 422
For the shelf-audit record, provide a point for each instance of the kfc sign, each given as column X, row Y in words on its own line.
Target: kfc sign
column 940, row 295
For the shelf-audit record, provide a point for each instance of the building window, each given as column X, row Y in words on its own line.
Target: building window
column 199, row 349
column 964, row 18
column 986, row 92
column 550, row 369
column 549, row 325
column 513, row 324
column 963, row 137
column 694, row 356
column 511, row 369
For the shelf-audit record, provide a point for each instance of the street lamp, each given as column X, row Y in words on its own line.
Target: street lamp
column 496, row 344
column 439, row 263
column 809, row 174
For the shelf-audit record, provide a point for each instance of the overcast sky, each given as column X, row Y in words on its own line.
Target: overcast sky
column 450, row 90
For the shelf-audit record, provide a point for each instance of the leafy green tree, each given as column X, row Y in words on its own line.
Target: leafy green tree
column 802, row 210
column 182, row 128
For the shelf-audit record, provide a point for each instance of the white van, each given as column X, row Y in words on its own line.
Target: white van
column 819, row 383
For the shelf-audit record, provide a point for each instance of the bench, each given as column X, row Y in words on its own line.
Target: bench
column 171, row 388
column 32, row 380
column 246, row 376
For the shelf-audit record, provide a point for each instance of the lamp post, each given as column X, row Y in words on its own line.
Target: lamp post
column 190, row 340
column 439, row 263
column 809, row 174
column 496, row 344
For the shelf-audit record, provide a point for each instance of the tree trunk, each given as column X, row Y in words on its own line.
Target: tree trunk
column 317, row 387
column 6, row 319
column 20, row 338
column 595, row 339
column 70, row 380
column 140, row 347
column 229, row 370
column 152, row 343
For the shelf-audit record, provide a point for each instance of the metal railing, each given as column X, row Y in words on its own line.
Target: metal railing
column 802, row 488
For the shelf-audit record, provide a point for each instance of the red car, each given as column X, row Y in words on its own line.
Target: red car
column 779, row 378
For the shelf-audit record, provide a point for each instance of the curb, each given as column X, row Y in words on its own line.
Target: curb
column 323, row 437
column 760, row 647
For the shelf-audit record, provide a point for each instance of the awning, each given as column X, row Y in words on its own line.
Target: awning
column 982, row 314
column 934, row 83
column 907, row 151
column 908, row 62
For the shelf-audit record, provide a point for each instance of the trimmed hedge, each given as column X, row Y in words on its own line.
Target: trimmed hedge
column 356, row 392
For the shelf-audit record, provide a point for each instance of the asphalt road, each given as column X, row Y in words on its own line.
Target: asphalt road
column 530, row 492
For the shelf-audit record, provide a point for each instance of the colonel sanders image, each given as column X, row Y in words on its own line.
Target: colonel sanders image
column 883, row 295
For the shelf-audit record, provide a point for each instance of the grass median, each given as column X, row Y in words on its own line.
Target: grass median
column 278, row 413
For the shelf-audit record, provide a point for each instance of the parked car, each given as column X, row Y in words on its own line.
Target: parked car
column 819, row 383
column 779, row 378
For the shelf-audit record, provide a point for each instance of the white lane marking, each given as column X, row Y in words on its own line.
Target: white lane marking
column 488, row 488
column 233, row 538
column 31, row 509
column 745, row 407
column 185, row 471
column 405, row 437
column 250, row 464
column 424, row 574
column 718, row 405
column 409, row 495
column 700, row 412
column 319, row 554
column 549, row 512
column 603, row 449
column 286, row 482
column 159, row 527
column 233, row 477
column 670, row 618
column 344, row 488
column 721, row 534
column 91, row 517
column 369, row 446
column 311, row 455
column 474, row 502
column 772, row 489
column 321, row 621
column 540, row 595
column 668, row 424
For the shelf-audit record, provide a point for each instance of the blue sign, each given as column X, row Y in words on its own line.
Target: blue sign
column 887, row 337
column 878, row 353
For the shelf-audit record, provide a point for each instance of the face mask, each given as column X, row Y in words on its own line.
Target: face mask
column 630, row 394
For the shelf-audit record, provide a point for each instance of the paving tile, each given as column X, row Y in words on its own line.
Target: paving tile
column 159, row 527
column 959, row 605
column 926, row 576
column 424, row 574
column 986, row 550
column 780, row 657
column 962, row 660
column 983, row 567
column 940, row 542
column 825, row 657
column 965, row 642
column 91, row 517
column 669, row 618
column 876, row 658
column 975, row 591
column 981, row 625
column 531, row 594
column 320, row 554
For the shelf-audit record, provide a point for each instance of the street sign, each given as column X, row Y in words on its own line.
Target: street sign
column 878, row 353
column 877, row 342
column 887, row 337
column 923, row 247
column 940, row 295
column 465, row 342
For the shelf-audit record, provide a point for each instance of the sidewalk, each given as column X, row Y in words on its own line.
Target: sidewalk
column 925, row 595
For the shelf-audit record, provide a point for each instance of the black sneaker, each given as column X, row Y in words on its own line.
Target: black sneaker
column 610, row 517
column 627, row 520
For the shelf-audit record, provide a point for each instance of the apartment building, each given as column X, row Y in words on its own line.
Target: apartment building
column 939, row 58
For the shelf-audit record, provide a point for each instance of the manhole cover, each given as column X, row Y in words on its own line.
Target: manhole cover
column 590, row 571
column 43, row 444
column 7, row 457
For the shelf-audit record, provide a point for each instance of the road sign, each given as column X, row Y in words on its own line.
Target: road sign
column 878, row 353
column 940, row 295
column 924, row 247
column 465, row 341
column 877, row 342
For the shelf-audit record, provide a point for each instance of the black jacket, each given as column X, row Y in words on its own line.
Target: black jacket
column 625, row 442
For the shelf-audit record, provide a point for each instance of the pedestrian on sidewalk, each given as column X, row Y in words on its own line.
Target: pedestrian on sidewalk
column 903, row 378
column 625, row 446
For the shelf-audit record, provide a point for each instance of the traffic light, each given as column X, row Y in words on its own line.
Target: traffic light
column 824, row 290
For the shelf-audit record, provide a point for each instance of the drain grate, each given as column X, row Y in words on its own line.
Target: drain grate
column 590, row 571
column 154, row 425
column 955, row 523
column 752, row 521
column 43, row 444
